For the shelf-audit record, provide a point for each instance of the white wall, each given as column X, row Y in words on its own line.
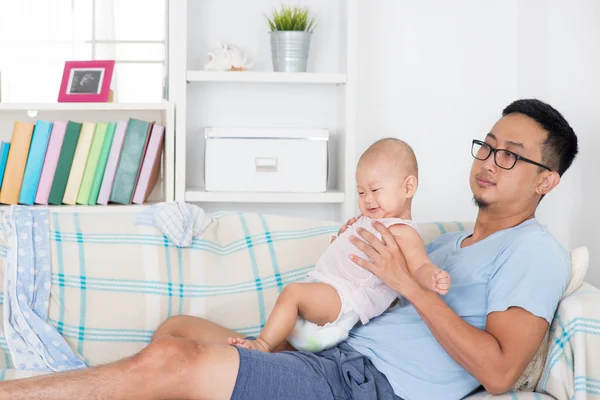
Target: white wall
column 436, row 74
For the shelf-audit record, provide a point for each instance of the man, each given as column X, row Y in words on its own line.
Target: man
column 507, row 278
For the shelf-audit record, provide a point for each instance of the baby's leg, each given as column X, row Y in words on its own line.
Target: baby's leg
column 315, row 302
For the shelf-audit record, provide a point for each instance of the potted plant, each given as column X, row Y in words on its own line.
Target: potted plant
column 291, row 30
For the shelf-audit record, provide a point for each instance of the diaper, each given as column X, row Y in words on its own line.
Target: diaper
column 308, row 336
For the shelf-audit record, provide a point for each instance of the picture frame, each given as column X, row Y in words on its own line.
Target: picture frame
column 86, row 81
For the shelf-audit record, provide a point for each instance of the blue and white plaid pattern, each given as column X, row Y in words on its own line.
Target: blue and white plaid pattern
column 33, row 343
column 110, row 290
column 573, row 362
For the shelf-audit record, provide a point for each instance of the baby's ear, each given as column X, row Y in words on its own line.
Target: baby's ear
column 410, row 186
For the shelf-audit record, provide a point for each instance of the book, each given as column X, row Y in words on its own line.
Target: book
column 150, row 171
column 92, row 163
column 112, row 163
column 63, row 166
column 35, row 162
column 134, row 145
column 79, row 160
column 4, row 149
column 50, row 161
column 16, row 162
column 102, row 161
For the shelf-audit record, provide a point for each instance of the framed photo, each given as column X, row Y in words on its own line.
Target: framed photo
column 86, row 81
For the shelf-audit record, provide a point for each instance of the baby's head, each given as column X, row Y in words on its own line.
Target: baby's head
column 386, row 179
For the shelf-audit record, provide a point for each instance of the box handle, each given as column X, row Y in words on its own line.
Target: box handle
column 265, row 164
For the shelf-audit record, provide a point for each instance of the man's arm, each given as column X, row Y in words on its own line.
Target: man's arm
column 496, row 357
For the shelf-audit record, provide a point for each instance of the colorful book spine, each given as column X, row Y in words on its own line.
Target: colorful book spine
column 79, row 160
column 104, row 153
column 112, row 163
column 92, row 164
column 134, row 145
column 51, row 160
column 16, row 162
column 65, row 160
column 35, row 161
column 4, row 149
column 150, row 171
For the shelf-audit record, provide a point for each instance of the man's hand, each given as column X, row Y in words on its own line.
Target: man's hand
column 344, row 227
column 386, row 259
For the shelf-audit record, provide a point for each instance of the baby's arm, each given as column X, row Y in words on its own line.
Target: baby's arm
column 427, row 274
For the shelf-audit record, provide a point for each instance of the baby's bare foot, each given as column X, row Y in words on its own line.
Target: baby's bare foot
column 235, row 341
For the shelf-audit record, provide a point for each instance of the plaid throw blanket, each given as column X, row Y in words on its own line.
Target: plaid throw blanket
column 573, row 363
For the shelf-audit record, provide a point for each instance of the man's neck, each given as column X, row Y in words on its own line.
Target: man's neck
column 489, row 222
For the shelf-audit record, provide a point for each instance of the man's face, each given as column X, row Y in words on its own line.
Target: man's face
column 492, row 185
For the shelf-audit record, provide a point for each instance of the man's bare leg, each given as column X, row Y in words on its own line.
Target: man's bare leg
column 169, row 368
column 196, row 328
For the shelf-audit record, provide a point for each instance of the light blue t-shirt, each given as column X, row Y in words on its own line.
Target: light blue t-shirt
column 522, row 266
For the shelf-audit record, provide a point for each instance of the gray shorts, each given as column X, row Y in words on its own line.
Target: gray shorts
column 339, row 373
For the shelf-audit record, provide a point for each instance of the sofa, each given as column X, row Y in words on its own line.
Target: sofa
column 114, row 282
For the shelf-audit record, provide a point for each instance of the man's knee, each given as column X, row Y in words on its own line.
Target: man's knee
column 168, row 352
column 171, row 327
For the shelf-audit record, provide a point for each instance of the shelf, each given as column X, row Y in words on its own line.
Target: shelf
column 111, row 208
column 85, row 106
column 199, row 195
column 266, row 77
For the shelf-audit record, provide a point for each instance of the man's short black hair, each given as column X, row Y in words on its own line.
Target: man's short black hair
column 560, row 149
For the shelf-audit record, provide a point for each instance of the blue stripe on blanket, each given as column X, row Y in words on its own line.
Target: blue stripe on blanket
column 128, row 335
column 169, row 281
column 441, row 228
column 60, row 268
column 272, row 252
column 82, row 283
column 189, row 290
column 259, row 293
column 5, row 351
column 181, row 279
column 197, row 244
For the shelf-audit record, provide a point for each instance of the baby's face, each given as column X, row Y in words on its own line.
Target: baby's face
column 381, row 191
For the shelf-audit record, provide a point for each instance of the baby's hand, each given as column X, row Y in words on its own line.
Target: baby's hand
column 441, row 282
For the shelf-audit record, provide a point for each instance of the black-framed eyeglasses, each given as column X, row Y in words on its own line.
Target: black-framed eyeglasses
column 504, row 159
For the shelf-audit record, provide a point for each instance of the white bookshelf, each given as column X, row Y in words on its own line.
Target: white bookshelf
column 266, row 77
column 323, row 97
column 97, row 209
column 111, row 107
column 162, row 113
column 200, row 195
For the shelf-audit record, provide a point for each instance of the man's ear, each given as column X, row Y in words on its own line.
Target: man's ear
column 410, row 186
column 548, row 182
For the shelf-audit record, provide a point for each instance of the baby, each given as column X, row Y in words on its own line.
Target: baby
column 319, row 312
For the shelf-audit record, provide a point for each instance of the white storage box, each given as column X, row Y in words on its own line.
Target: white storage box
column 265, row 160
